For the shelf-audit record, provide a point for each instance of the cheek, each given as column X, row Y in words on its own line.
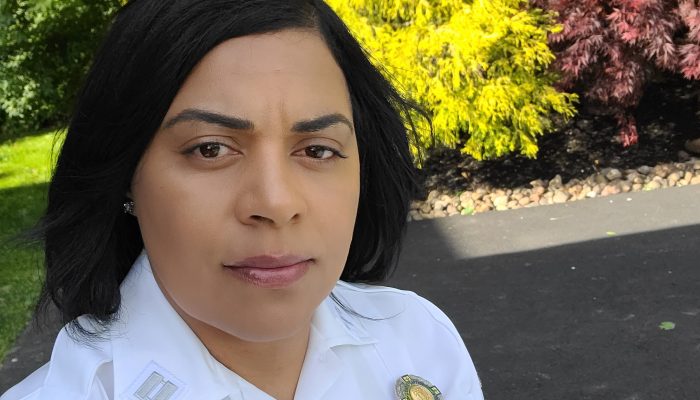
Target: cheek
column 175, row 214
column 338, row 216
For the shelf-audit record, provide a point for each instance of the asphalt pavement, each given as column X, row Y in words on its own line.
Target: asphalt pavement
column 554, row 302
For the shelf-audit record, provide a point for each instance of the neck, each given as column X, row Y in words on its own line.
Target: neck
column 272, row 366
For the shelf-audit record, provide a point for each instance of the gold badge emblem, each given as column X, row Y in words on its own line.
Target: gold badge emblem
column 411, row 387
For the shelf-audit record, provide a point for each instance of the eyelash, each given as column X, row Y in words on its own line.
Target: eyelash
column 336, row 154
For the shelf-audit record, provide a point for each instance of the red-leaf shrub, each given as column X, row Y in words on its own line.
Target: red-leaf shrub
column 689, row 52
column 608, row 49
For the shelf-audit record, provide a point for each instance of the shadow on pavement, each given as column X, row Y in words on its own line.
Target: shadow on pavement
column 576, row 321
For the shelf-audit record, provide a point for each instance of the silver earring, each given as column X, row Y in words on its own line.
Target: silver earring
column 129, row 207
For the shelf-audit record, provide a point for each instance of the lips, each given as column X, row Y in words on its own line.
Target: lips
column 270, row 271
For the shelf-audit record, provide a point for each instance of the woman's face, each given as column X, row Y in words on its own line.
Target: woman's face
column 248, row 194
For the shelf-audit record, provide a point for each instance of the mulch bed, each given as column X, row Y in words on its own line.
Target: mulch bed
column 668, row 116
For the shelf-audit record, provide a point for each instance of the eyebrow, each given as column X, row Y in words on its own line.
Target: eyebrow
column 236, row 123
column 321, row 123
column 193, row 114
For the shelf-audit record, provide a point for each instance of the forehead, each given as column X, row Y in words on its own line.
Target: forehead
column 250, row 74
column 288, row 50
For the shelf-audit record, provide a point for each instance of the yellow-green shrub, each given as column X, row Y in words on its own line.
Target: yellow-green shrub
column 479, row 68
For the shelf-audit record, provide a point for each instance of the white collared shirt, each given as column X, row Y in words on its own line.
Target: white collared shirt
column 151, row 354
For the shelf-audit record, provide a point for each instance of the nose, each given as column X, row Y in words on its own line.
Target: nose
column 270, row 191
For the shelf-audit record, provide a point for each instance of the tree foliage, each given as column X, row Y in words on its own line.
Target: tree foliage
column 45, row 50
column 610, row 48
column 478, row 68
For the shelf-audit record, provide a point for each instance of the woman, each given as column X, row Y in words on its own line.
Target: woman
column 227, row 163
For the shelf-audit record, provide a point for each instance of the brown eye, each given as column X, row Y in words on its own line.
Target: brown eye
column 209, row 150
column 319, row 152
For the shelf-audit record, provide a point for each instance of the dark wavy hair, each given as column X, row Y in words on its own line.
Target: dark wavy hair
column 151, row 47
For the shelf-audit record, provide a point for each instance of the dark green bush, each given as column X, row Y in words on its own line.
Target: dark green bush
column 45, row 50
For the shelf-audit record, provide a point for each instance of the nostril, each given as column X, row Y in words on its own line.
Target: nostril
column 260, row 218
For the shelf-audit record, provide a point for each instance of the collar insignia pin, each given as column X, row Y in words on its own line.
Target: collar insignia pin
column 411, row 387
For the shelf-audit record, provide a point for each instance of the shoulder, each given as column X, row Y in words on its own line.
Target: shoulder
column 36, row 387
column 382, row 298
column 76, row 371
column 413, row 336
column 395, row 309
column 29, row 388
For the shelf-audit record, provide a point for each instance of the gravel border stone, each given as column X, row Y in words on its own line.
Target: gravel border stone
column 606, row 182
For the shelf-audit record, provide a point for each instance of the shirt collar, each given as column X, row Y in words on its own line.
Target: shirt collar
column 150, row 344
column 333, row 325
column 150, row 336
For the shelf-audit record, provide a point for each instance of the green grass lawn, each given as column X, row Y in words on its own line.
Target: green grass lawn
column 25, row 168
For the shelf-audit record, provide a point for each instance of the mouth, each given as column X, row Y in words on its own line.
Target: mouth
column 270, row 272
